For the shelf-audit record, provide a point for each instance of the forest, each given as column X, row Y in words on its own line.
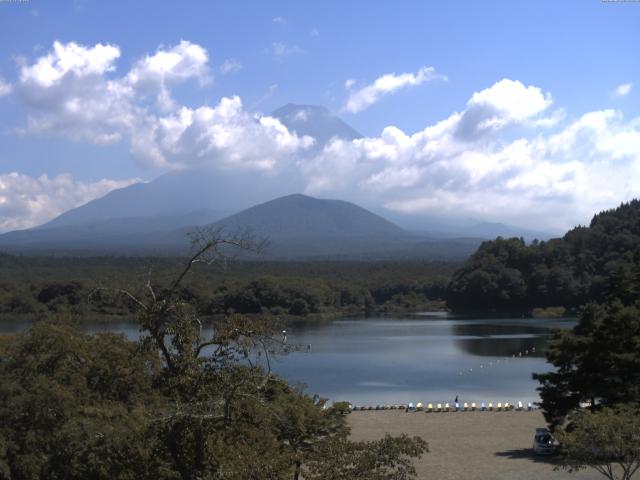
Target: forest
column 34, row 287
column 589, row 263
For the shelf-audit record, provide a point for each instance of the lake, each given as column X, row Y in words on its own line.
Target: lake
column 430, row 357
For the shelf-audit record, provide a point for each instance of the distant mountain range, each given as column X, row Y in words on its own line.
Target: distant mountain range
column 297, row 227
column 154, row 217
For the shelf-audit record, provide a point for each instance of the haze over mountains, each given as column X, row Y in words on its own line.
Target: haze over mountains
column 154, row 217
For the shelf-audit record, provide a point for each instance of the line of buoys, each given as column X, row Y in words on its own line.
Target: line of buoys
column 482, row 366
column 439, row 407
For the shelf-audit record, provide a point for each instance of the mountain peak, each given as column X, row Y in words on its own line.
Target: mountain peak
column 316, row 121
column 299, row 215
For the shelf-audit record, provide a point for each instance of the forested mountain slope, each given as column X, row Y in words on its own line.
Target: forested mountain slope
column 587, row 264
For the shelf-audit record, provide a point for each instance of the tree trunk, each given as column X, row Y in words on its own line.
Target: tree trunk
column 296, row 473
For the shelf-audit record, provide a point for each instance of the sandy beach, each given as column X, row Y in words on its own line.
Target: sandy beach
column 468, row 445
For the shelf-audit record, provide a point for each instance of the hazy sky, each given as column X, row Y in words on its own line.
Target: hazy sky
column 524, row 112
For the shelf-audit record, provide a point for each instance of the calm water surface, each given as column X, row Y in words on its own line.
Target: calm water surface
column 428, row 358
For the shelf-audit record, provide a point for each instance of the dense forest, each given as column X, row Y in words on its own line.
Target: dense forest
column 34, row 287
column 590, row 263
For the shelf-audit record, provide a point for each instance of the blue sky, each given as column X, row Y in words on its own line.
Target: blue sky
column 581, row 55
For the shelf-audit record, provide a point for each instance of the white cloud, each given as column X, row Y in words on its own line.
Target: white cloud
column 623, row 90
column 385, row 85
column 349, row 82
column 153, row 74
column 70, row 59
column 70, row 95
column 279, row 51
column 230, row 65
column 506, row 103
column 315, row 32
column 219, row 136
column 280, row 20
column 463, row 166
column 5, row 88
column 27, row 201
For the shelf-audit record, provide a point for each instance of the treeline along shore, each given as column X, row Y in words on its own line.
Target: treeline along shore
column 32, row 287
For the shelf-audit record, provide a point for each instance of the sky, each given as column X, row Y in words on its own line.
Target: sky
column 521, row 112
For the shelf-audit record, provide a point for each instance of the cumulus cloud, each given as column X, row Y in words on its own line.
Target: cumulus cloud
column 230, row 65
column 623, row 90
column 73, row 92
column 27, row 201
column 385, row 85
column 154, row 73
column 219, row 135
column 279, row 51
column 506, row 103
column 463, row 165
column 280, row 20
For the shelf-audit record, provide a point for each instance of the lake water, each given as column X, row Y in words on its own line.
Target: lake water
column 424, row 358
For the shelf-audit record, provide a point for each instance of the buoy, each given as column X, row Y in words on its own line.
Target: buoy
column 473, row 407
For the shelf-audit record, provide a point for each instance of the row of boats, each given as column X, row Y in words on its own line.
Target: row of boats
column 445, row 407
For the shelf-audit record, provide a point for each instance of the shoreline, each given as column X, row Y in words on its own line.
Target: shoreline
column 468, row 445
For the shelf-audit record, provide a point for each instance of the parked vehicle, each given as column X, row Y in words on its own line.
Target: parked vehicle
column 543, row 442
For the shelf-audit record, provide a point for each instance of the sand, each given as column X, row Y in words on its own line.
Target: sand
column 469, row 445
